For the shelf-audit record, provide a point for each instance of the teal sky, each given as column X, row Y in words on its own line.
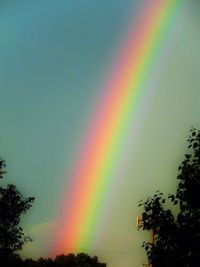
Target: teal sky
column 54, row 57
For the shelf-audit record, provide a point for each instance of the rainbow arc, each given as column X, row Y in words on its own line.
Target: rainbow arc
column 103, row 142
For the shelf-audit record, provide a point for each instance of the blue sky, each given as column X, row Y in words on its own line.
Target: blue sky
column 54, row 57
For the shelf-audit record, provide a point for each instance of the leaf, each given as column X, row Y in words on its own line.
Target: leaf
column 193, row 133
column 195, row 145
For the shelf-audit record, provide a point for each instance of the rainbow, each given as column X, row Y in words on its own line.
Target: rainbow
column 102, row 144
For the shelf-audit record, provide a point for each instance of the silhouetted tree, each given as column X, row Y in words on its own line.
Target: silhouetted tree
column 176, row 230
column 84, row 260
column 79, row 260
column 12, row 205
column 70, row 260
column 2, row 167
column 65, row 260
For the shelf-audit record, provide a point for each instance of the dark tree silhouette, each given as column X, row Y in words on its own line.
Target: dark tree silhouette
column 70, row 260
column 176, row 230
column 2, row 168
column 12, row 205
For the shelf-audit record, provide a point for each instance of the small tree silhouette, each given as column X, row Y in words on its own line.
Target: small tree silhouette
column 176, row 230
column 12, row 205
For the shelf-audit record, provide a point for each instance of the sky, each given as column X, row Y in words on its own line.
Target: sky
column 54, row 59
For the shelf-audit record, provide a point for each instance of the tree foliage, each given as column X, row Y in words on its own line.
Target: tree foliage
column 12, row 205
column 70, row 260
column 176, row 230
column 2, row 168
